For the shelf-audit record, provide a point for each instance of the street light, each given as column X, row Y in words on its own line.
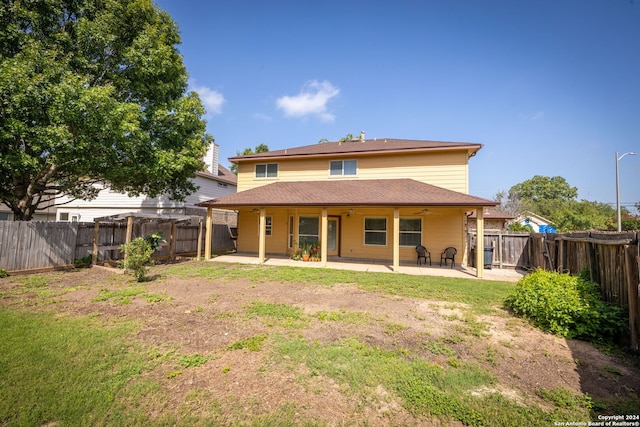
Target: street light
column 631, row 153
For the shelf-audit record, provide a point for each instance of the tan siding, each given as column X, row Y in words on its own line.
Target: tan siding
column 443, row 228
column 248, row 234
column 447, row 170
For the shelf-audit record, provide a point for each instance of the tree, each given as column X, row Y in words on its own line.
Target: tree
column 554, row 199
column 510, row 203
column 94, row 92
column 544, row 195
column 584, row 215
column 262, row 148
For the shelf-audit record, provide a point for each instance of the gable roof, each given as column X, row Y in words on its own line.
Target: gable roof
column 492, row 214
column 367, row 146
column 224, row 175
column 537, row 219
column 370, row 192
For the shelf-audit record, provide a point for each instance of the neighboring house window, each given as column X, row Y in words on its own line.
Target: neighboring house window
column 64, row 216
column 308, row 229
column 4, row 216
column 342, row 167
column 75, row 218
column 375, row 231
column 269, row 170
column 410, row 232
column 291, row 232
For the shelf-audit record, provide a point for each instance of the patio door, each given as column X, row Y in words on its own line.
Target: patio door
column 333, row 236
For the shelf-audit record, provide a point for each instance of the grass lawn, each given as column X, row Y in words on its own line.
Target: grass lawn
column 74, row 370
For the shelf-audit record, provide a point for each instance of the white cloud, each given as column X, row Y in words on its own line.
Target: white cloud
column 211, row 99
column 312, row 100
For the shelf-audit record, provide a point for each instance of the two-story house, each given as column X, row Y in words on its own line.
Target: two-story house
column 214, row 181
column 370, row 199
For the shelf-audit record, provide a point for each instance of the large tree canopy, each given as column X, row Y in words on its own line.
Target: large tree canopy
column 555, row 199
column 93, row 91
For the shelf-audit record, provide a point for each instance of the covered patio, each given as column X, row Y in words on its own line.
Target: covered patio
column 367, row 218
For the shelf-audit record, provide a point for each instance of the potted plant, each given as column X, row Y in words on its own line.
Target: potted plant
column 314, row 252
column 306, row 249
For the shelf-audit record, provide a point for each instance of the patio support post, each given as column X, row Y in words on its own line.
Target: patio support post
column 208, row 234
column 396, row 239
column 480, row 242
column 199, row 250
column 324, row 238
column 262, row 238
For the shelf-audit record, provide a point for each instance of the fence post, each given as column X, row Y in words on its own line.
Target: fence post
column 172, row 241
column 199, row 250
column 500, row 237
column 96, row 237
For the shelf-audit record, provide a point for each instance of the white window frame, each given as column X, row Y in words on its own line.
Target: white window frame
column 291, row 231
column 368, row 231
column 315, row 237
column 268, row 225
column 406, row 232
column 266, row 170
column 342, row 168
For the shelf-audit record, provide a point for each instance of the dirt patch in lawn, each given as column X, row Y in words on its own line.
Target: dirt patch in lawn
column 204, row 316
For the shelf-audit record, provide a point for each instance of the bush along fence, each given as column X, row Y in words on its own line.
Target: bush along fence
column 31, row 246
column 611, row 259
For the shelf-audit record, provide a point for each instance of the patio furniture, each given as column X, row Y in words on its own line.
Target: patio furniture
column 448, row 254
column 423, row 253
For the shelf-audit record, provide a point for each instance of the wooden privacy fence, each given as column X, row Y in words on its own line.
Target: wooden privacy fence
column 40, row 245
column 510, row 249
column 612, row 260
column 32, row 245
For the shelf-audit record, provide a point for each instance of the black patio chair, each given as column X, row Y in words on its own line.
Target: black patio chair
column 423, row 253
column 449, row 253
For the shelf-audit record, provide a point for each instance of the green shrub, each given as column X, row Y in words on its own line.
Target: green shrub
column 139, row 252
column 154, row 239
column 84, row 261
column 138, row 257
column 3, row 273
column 566, row 305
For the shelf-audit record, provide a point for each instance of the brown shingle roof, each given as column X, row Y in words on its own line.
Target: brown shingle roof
column 368, row 146
column 493, row 214
column 373, row 192
column 224, row 175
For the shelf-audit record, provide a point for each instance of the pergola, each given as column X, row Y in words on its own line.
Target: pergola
column 132, row 217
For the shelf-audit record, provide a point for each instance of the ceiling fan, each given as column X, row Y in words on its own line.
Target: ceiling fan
column 425, row 211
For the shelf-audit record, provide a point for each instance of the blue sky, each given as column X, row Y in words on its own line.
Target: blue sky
column 549, row 87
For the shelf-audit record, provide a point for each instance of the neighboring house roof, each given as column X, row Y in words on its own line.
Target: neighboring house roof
column 534, row 218
column 224, row 175
column 372, row 192
column 368, row 146
column 492, row 214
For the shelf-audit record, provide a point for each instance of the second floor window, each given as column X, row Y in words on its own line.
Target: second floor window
column 342, row 167
column 268, row 170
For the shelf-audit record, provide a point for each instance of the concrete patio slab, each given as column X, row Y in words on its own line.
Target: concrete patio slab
column 506, row 275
